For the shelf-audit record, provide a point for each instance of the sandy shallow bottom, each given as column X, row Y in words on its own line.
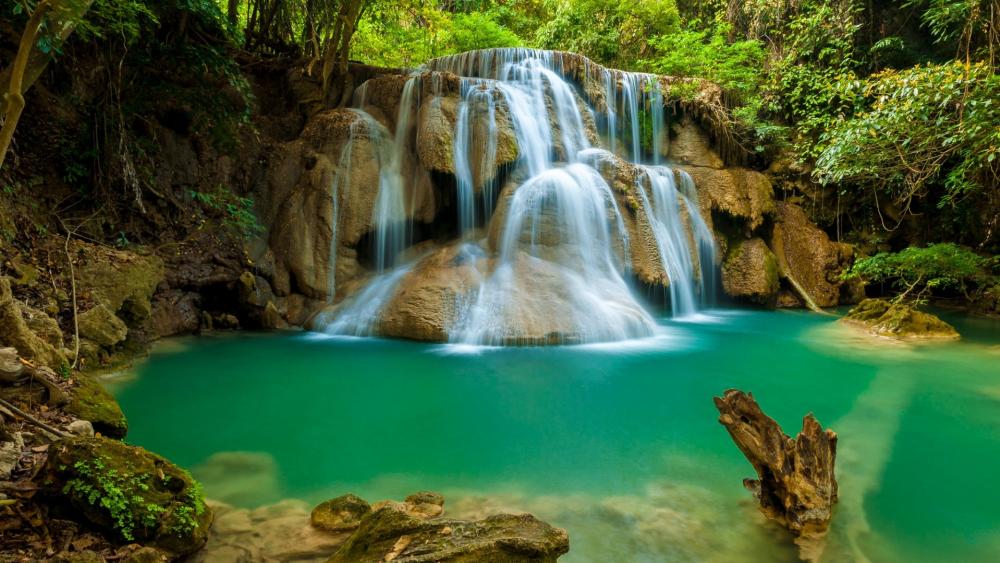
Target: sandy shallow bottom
column 617, row 443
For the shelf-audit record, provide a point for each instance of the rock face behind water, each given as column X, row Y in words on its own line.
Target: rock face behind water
column 897, row 320
column 795, row 484
column 806, row 253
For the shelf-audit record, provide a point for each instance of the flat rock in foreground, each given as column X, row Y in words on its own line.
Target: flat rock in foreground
column 390, row 533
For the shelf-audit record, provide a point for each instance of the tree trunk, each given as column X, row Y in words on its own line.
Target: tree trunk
column 338, row 49
column 233, row 12
column 29, row 62
column 795, row 485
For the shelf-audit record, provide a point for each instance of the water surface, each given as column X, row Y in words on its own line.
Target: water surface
column 617, row 443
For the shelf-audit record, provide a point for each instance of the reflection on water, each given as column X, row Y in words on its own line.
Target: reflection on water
column 619, row 445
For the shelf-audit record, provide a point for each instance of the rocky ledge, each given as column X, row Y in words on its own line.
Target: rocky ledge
column 898, row 320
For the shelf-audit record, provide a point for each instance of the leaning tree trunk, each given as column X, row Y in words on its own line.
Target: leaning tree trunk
column 29, row 62
column 795, row 484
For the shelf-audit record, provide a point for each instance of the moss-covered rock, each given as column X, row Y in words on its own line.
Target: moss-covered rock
column 339, row 514
column 390, row 533
column 898, row 320
column 15, row 332
column 122, row 281
column 102, row 326
column 750, row 272
column 130, row 493
column 90, row 401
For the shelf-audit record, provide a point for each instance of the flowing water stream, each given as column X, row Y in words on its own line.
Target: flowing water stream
column 619, row 442
column 562, row 226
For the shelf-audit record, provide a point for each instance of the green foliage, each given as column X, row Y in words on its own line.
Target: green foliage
column 735, row 66
column 612, row 32
column 954, row 20
column 114, row 491
column 942, row 266
column 237, row 212
column 921, row 125
column 186, row 515
column 408, row 33
column 479, row 30
column 124, row 20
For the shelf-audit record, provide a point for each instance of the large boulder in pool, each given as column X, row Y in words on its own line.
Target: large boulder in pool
column 750, row 272
column 392, row 533
column 426, row 304
column 898, row 320
column 128, row 493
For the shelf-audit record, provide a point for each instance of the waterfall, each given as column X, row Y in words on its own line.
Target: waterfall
column 359, row 314
column 556, row 264
column 477, row 100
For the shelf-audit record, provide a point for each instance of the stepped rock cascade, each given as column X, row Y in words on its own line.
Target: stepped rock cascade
column 552, row 170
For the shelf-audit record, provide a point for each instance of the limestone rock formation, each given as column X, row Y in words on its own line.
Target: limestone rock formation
column 391, row 534
column 435, row 133
column 625, row 180
column 129, row 492
column 122, row 281
column 428, row 300
column 795, row 484
column 898, row 320
column 807, row 256
column 750, row 272
column 740, row 193
column 299, row 203
column 102, row 326
column 14, row 331
column 689, row 146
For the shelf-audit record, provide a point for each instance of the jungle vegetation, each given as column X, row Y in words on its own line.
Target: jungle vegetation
column 890, row 108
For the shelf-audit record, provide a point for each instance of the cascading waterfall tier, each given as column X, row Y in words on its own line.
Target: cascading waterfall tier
column 560, row 191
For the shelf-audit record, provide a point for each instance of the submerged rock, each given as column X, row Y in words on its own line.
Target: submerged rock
column 339, row 514
column 897, row 320
column 392, row 534
column 130, row 493
column 795, row 484
column 275, row 532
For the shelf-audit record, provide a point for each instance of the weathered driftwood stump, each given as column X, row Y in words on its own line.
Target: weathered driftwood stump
column 796, row 486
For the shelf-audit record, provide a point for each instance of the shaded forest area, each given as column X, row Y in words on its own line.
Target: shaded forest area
column 879, row 117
